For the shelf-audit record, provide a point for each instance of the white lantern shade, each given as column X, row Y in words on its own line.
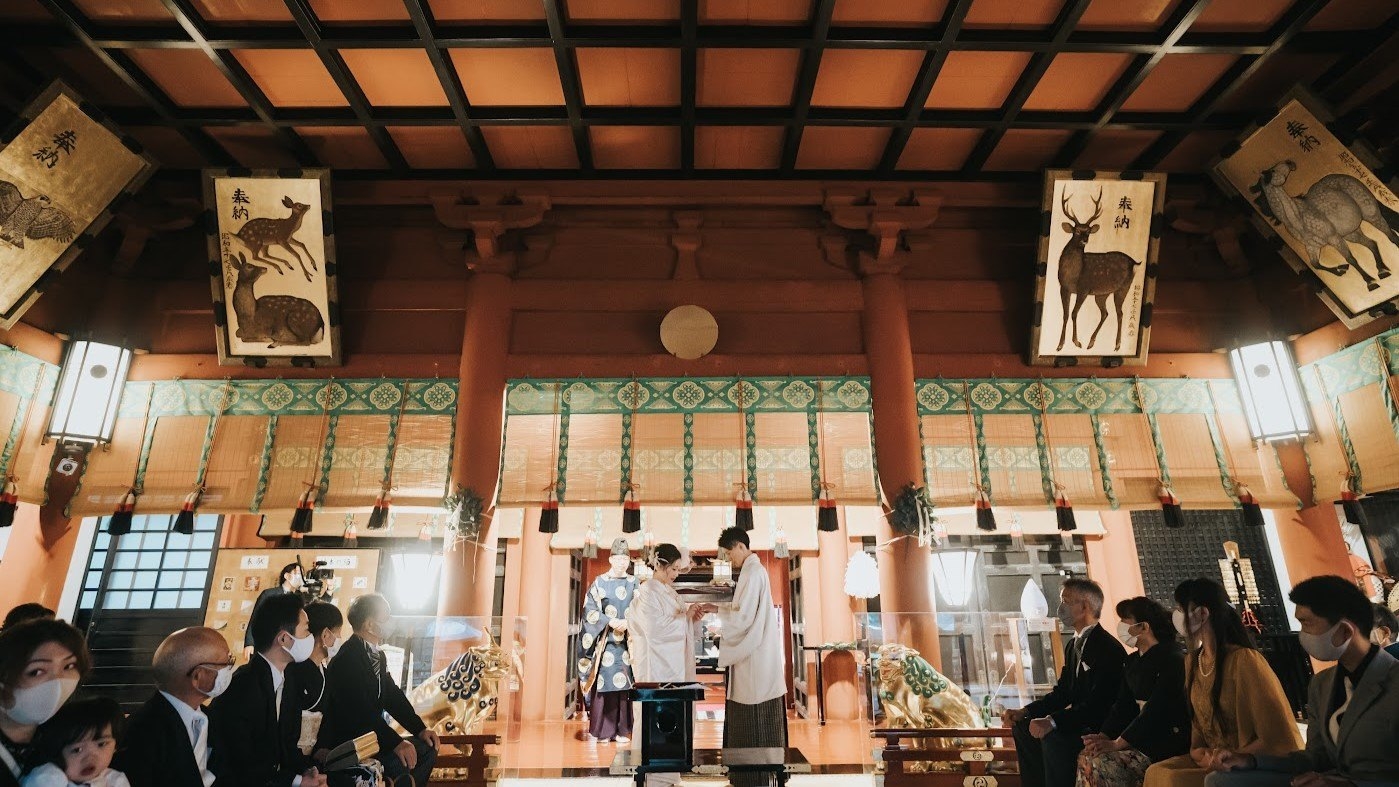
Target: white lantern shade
column 861, row 576
column 1271, row 391
column 1033, row 604
column 89, row 392
column 952, row 573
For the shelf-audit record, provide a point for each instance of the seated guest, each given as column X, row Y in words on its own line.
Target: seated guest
column 1149, row 722
column 1351, row 707
column 260, row 713
column 27, row 612
column 1236, row 701
column 170, row 741
column 325, row 624
column 288, row 581
column 41, row 662
column 1049, row 731
column 359, row 680
column 1385, row 630
column 75, row 747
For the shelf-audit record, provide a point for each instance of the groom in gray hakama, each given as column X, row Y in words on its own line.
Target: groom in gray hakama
column 750, row 646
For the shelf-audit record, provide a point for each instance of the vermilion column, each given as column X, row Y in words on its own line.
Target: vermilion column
column 903, row 566
column 1312, row 543
column 837, row 624
column 468, row 577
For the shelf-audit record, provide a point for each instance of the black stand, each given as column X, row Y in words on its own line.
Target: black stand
column 667, row 725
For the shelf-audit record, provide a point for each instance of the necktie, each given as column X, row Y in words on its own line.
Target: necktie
column 196, row 728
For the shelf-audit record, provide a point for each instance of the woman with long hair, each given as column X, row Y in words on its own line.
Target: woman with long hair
column 41, row 662
column 661, row 624
column 1236, row 702
column 1149, row 721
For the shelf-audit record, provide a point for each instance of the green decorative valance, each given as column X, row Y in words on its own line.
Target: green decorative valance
column 19, row 373
column 688, row 395
column 1353, row 368
column 1075, row 396
column 290, row 397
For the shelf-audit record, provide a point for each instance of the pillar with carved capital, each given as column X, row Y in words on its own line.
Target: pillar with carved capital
column 904, row 567
column 1311, row 538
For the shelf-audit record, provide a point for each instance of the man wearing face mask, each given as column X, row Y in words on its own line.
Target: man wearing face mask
column 1351, row 707
column 1049, row 731
column 170, row 741
column 358, row 678
column 261, row 711
column 289, row 580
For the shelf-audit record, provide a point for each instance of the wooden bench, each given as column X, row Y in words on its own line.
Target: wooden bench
column 975, row 763
column 468, row 765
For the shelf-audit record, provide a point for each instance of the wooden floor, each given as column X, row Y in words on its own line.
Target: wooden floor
column 542, row 747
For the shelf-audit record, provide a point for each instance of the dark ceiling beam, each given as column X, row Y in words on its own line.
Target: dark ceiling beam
column 310, row 27
column 689, row 81
column 806, row 83
column 1131, row 79
column 568, row 77
column 163, row 109
column 425, row 25
column 1291, row 23
column 1383, row 34
column 1015, row 103
column 673, row 116
column 237, row 76
column 928, row 72
column 672, row 36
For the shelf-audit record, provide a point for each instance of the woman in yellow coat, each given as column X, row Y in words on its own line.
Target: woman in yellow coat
column 1236, row 702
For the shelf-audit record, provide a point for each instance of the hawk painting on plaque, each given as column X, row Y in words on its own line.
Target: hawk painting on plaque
column 1097, row 272
column 1339, row 224
column 58, row 178
column 274, row 280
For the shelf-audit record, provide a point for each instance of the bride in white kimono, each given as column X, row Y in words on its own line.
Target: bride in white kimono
column 662, row 631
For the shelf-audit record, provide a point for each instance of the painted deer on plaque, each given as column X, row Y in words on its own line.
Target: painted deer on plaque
column 1096, row 274
column 1330, row 213
column 275, row 319
column 261, row 234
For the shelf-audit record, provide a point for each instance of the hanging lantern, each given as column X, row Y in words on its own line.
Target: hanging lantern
column 1170, row 506
column 379, row 514
column 1248, row 504
column 350, row 538
column 827, row 520
column 549, row 512
column 425, row 532
column 9, row 502
column 631, row 511
column 119, row 523
column 305, row 511
column 184, row 521
column 985, row 517
column 953, row 570
column 743, row 508
column 861, row 576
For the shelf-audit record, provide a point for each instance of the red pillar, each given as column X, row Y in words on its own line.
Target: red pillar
column 904, row 566
column 1312, row 543
column 468, row 577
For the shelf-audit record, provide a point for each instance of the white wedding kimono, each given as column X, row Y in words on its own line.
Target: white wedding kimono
column 750, row 639
column 662, row 636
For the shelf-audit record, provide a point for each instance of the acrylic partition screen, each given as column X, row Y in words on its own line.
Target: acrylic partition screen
column 464, row 675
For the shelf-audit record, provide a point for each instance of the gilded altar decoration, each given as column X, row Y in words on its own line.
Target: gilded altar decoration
column 273, row 280
column 59, row 178
column 916, row 696
column 1096, row 277
column 459, row 699
column 1337, row 223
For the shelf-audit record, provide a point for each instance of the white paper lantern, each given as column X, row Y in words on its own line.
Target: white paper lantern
column 1033, row 604
column 861, row 576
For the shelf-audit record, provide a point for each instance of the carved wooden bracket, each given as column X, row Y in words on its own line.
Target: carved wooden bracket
column 686, row 240
column 142, row 218
column 489, row 218
column 891, row 217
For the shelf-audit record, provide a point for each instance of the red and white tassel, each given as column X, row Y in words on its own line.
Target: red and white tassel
column 1248, row 504
column 1350, row 505
column 1170, row 506
column 119, row 523
column 985, row 517
column 184, row 521
column 743, row 509
column 827, row 520
column 549, row 512
column 1064, row 511
column 379, row 515
column 9, row 501
column 301, row 519
column 631, row 512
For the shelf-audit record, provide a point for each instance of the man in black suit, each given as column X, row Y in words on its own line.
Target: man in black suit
column 260, row 714
column 1049, row 731
column 359, row 680
column 289, row 580
column 170, row 742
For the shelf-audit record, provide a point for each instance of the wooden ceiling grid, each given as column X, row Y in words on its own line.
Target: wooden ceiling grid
column 955, row 89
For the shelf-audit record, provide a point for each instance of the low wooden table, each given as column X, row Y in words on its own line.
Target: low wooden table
column 777, row 763
column 967, row 766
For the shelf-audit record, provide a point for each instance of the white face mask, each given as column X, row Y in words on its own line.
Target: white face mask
column 1124, row 633
column 37, row 704
column 333, row 649
column 1320, row 646
column 301, row 648
column 1178, row 618
column 221, row 681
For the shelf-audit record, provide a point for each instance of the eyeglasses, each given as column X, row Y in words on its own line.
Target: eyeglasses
column 213, row 665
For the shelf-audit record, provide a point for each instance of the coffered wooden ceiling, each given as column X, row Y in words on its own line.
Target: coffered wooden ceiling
column 954, row 89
